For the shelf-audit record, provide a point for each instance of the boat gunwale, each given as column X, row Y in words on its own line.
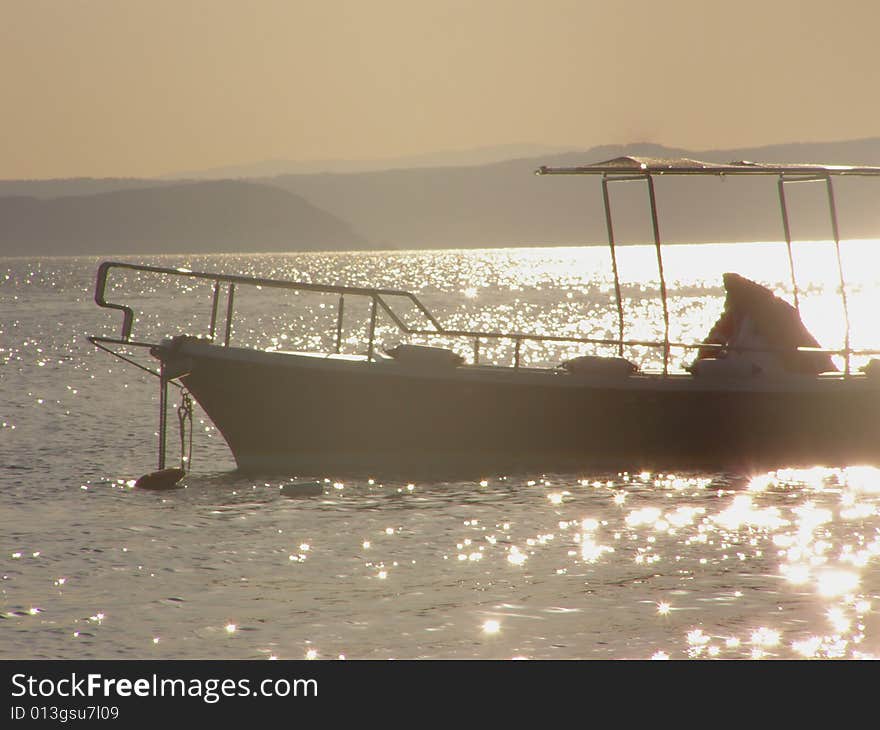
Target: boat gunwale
column 180, row 349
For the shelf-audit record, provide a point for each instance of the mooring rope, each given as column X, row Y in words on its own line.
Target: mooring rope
column 184, row 415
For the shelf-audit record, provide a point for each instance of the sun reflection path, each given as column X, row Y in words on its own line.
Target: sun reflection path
column 806, row 527
column 773, row 567
column 820, row 549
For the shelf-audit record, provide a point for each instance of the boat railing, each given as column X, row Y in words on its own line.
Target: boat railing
column 377, row 296
column 379, row 301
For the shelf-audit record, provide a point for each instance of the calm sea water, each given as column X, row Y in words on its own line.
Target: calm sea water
column 541, row 565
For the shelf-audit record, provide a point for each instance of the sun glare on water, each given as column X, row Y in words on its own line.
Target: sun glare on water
column 629, row 564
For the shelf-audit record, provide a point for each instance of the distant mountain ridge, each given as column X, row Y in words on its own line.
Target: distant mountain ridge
column 215, row 216
column 505, row 204
column 448, row 158
column 496, row 204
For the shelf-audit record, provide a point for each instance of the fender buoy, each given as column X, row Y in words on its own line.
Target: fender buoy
column 302, row 489
column 162, row 479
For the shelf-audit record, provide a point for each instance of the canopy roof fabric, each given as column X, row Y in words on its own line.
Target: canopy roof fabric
column 686, row 166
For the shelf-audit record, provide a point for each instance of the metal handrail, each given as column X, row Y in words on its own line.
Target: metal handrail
column 376, row 294
column 378, row 300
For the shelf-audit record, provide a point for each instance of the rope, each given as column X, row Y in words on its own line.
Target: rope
column 184, row 415
column 132, row 362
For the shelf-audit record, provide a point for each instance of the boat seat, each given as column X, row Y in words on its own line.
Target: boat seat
column 724, row 367
column 597, row 365
column 424, row 356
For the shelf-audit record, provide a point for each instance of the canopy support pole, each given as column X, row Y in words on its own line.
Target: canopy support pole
column 787, row 228
column 835, row 234
column 655, row 225
column 609, row 225
column 832, row 208
column 657, row 244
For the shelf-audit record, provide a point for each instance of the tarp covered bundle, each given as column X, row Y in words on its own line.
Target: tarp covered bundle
column 755, row 319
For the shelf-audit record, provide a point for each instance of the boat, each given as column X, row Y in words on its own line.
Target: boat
column 760, row 394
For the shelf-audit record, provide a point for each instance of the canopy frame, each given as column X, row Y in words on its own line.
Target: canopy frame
column 627, row 169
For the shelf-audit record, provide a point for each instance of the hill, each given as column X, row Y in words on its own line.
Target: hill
column 217, row 216
column 505, row 204
column 466, row 206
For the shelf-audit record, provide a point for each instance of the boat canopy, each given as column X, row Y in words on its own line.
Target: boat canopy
column 644, row 169
column 685, row 166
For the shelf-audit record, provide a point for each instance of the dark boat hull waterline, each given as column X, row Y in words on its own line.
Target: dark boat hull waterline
column 329, row 416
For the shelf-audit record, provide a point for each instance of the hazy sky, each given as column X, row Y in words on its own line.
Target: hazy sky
column 147, row 87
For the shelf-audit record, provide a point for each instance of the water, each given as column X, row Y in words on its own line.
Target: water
column 542, row 565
